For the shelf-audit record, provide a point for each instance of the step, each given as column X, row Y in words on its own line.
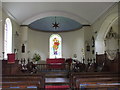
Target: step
column 54, row 71
column 58, row 76
column 55, row 75
column 56, row 80
column 57, row 84
column 57, row 87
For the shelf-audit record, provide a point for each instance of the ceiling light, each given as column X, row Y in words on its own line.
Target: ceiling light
column 55, row 24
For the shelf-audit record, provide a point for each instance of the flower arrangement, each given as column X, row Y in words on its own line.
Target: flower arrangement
column 36, row 57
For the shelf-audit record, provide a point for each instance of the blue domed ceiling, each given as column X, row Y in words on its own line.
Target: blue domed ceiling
column 46, row 24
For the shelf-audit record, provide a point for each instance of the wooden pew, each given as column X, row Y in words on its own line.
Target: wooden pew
column 75, row 76
column 19, row 89
column 92, row 76
column 95, row 80
column 22, row 85
column 91, row 73
column 23, row 81
column 30, row 77
column 112, row 82
column 101, row 85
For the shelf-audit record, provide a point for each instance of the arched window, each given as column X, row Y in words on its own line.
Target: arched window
column 55, row 46
column 7, row 37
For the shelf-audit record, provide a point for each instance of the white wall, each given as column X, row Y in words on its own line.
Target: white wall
column 72, row 43
column 88, row 39
column 0, row 40
column 36, row 41
column 1, row 48
column 15, row 27
column 24, row 40
column 102, row 26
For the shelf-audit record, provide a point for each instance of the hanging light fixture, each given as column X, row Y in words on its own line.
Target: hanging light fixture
column 55, row 24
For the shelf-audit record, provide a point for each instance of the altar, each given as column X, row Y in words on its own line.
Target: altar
column 55, row 63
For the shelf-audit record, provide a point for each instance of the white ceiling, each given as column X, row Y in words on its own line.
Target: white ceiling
column 83, row 12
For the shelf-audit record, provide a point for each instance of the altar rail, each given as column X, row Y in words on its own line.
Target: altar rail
column 47, row 67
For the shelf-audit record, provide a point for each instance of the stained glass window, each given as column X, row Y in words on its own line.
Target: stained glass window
column 7, row 37
column 55, row 47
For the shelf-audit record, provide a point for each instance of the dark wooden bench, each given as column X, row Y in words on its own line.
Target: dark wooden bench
column 19, row 89
column 96, row 83
column 91, row 76
column 76, row 76
column 101, row 85
column 23, row 81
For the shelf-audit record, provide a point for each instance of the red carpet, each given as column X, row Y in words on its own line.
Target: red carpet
column 57, row 87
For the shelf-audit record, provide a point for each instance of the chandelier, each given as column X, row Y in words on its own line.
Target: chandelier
column 55, row 24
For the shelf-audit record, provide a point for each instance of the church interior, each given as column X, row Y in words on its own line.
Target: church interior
column 59, row 46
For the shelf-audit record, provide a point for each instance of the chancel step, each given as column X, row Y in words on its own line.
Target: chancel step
column 55, row 71
column 55, row 75
column 56, row 80
column 57, row 87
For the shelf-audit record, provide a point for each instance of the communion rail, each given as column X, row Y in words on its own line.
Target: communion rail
column 56, row 66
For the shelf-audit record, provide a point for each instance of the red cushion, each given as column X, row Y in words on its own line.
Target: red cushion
column 57, row 86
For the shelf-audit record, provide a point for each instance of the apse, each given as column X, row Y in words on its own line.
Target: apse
column 55, row 23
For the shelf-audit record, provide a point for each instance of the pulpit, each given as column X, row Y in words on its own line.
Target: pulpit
column 11, row 58
column 55, row 63
column 10, row 66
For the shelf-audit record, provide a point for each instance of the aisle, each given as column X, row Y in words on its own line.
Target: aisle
column 57, row 80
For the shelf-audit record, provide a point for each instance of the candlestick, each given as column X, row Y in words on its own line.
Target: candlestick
column 83, row 60
column 3, row 54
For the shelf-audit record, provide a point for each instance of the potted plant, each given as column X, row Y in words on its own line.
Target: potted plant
column 36, row 58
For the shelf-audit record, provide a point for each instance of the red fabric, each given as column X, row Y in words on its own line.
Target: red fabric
column 11, row 58
column 56, row 63
column 56, row 60
column 57, row 87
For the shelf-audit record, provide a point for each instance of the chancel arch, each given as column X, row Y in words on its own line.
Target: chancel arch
column 105, row 27
column 56, row 13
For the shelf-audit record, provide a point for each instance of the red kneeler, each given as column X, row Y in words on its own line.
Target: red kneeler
column 56, row 63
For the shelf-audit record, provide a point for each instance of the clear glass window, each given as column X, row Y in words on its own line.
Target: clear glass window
column 7, row 37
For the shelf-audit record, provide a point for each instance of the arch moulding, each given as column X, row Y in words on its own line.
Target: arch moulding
column 99, row 42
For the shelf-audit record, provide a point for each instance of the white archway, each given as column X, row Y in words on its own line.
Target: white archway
column 99, row 42
column 56, row 13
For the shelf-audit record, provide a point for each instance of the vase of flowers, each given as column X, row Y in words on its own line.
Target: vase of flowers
column 36, row 58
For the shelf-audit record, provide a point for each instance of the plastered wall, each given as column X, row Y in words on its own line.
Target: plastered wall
column 72, row 43
column 102, row 26
column 15, row 27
